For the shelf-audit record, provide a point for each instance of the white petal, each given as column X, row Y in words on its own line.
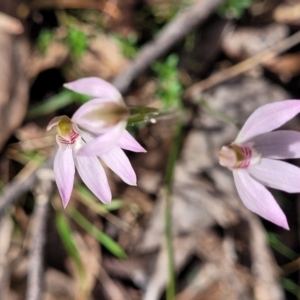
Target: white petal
column 279, row 144
column 95, row 87
column 93, row 175
column 117, row 161
column 267, row 118
column 103, row 143
column 91, row 115
column 258, row 199
column 64, row 171
column 128, row 142
column 277, row 174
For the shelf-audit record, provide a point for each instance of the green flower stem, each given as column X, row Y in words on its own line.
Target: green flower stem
column 171, row 288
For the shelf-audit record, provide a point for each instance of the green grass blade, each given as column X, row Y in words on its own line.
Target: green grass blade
column 104, row 239
column 280, row 247
column 217, row 114
column 59, row 101
column 65, row 234
column 92, row 202
column 291, row 287
column 168, row 183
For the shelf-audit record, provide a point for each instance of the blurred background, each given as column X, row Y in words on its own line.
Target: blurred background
column 182, row 233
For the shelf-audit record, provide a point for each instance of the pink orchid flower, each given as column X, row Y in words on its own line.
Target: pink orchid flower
column 97, row 129
column 254, row 158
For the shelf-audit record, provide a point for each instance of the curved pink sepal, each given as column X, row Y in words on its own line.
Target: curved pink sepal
column 64, row 171
column 95, row 87
column 93, row 175
column 128, row 142
column 267, row 118
column 258, row 199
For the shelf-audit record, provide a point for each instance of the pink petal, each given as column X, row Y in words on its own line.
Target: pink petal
column 279, row 144
column 103, row 143
column 277, row 174
column 258, row 199
column 117, row 161
column 128, row 142
column 93, row 124
column 93, row 175
column 95, row 87
column 64, row 171
column 267, row 118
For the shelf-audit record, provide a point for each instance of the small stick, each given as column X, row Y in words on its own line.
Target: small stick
column 171, row 34
column 35, row 280
column 13, row 190
column 193, row 91
column 10, row 25
column 21, row 184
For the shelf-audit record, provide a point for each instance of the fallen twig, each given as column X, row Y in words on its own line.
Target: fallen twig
column 172, row 33
column 193, row 91
column 14, row 190
column 10, row 25
column 6, row 230
column 21, row 184
column 35, row 272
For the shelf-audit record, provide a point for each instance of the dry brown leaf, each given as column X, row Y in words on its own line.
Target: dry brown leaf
column 286, row 66
column 89, row 251
column 103, row 58
column 59, row 286
column 32, row 137
column 63, row 4
column 287, row 13
column 183, row 248
column 14, row 83
column 55, row 56
column 241, row 43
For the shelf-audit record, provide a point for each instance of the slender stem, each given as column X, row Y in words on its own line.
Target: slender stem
column 169, row 242
column 168, row 211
